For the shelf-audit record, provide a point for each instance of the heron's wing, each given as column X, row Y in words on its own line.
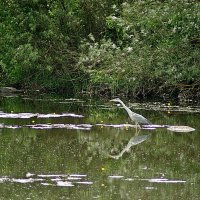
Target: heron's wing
column 140, row 119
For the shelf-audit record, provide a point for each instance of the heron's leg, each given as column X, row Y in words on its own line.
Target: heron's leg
column 137, row 126
column 137, row 129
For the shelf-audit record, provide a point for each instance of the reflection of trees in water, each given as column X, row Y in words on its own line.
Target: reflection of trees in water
column 116, row 143
column 98, row 144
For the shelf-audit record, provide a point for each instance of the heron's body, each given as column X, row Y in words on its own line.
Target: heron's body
column 138, row 119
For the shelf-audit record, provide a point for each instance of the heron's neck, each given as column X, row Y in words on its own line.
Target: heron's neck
column 125, row 107
column 123, row 104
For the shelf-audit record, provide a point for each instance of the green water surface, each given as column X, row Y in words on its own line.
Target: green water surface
column 164, row 166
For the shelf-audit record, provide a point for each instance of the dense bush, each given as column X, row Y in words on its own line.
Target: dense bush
column 151, row 47
column 36, row 49
column 136, row 48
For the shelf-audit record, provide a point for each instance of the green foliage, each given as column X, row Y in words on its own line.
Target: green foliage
column 151, row 46
column 131, row 47
column 36, row 43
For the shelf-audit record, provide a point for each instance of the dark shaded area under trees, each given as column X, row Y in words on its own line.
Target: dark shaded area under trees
column 108, row 47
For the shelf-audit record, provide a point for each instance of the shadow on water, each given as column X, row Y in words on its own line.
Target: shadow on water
column 56, row 148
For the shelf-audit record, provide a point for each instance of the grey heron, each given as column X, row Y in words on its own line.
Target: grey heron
column 138, row 119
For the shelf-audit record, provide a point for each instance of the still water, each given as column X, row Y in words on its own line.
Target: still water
column 57, row 148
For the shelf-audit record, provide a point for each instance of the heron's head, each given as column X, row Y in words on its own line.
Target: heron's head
column 116, row 100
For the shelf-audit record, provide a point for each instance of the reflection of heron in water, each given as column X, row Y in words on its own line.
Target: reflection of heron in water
column 138, row 119
column 133, row 141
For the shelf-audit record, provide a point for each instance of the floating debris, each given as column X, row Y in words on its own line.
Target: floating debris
column 148, row 127
column 74, row 99
column 58, row 115
column 165, row 181
column 10, row 126
column 3, row 179
column 155, row 180
column 117, row 125
column 17, row 115
column 27, row 180
column 53, row 175
column 47, row 184
column 74, row 178
column 85, row 182
column 180, row 129
column 62, row 180
column 183, row 129
column 64, row 183
column 77, row 175
column 31, row 115
column 157, row 106
column 29, row 175
column 67, row 126
column 51, row 126
column 129, row 179
column 115, row 177
column 150, row 188
column 153, row 126
column 56, row 179
column 71, row 100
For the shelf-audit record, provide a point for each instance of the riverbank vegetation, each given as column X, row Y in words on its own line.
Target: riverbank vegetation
column 108, row 47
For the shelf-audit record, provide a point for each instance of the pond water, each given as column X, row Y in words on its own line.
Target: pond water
column 57, row 148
